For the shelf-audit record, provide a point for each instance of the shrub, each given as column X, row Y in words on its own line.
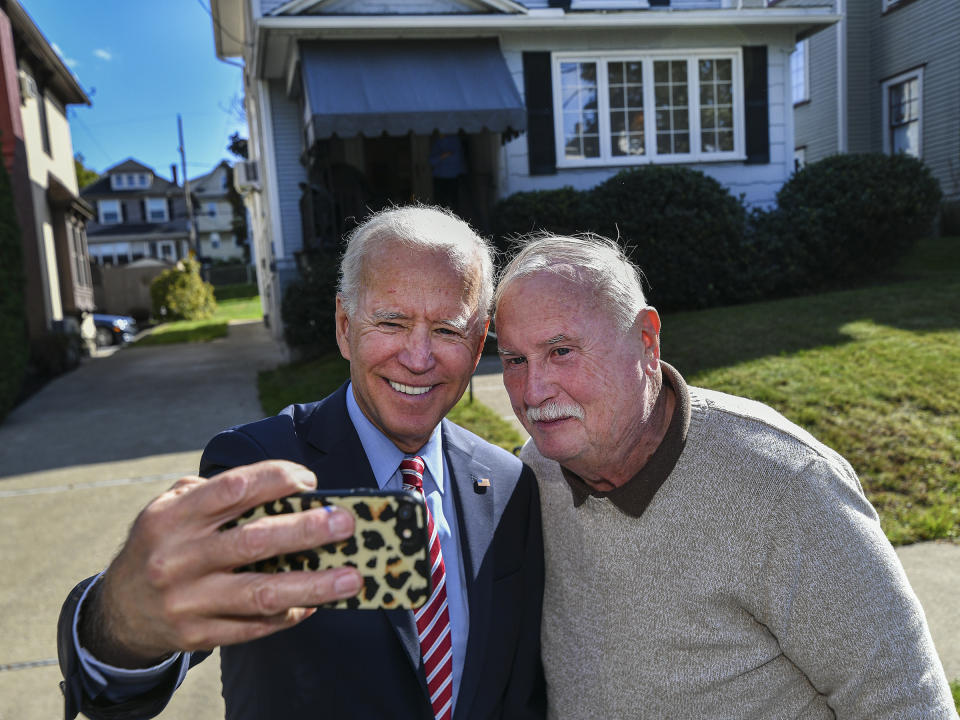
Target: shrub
column 950, row 218
column 181, row 294
column 308, row 304
column 846, row 216
column 682, row 228
column 13, row 326
column 560, row 211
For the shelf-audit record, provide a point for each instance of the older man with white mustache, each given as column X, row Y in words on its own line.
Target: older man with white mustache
column 705, row 557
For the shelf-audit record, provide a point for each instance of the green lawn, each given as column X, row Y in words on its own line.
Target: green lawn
column 315, row 379
column 240, row 303
column 872, row 372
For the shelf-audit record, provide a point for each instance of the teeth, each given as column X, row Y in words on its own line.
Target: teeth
column 410, row 389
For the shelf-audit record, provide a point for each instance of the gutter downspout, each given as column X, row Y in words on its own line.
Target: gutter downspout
column 842, row 77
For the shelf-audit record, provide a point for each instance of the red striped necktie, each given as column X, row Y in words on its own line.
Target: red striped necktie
column 433, row 619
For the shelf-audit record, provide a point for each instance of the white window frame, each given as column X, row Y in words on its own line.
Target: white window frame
column 648, row 58
column 211, row 209
column 804, row 47
column 102, row 210
column 917, row 74
column 159, row 202
column 215, row 241
column 142, row 180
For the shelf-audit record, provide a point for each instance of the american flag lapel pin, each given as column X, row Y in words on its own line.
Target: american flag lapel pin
column 480, row 485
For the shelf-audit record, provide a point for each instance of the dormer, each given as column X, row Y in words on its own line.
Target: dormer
column 130, row 175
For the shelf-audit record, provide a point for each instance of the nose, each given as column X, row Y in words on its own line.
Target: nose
column 417, row 352
column 538, row 386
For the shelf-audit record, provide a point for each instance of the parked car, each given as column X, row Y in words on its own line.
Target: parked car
column 114, row 329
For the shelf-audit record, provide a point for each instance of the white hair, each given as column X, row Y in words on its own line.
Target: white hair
column 589, row 260
column 421, row 227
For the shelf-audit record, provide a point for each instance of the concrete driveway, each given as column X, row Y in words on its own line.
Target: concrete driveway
column 78, row 460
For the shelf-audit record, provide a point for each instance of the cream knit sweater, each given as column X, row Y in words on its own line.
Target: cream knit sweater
column 757, row 584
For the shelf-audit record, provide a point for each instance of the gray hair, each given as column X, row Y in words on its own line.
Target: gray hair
column 587, row 259
column 419, row 227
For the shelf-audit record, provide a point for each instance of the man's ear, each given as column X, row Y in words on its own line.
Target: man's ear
column 342, row 321
column 483, row 340
column 648, row 323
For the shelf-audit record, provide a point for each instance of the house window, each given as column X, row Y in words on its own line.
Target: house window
column 799, row 72
column 44, row 125
column 167, row 250
column 109, row 211
column 212, row 209
column 623, row 109
column 902, row 113
column 157, row 210
column 142, row 180
column 799, row 157
column 215, row 241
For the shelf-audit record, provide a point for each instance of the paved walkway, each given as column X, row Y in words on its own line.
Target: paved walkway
column 80, row 458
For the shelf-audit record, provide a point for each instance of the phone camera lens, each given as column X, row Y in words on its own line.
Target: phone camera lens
column 406, row 512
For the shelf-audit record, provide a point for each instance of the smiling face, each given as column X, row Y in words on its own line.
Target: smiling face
column 413, row 341
column 578, row 381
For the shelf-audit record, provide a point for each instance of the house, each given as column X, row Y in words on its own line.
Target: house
column 345, row 98
column 868, row 85
column 36, row 88
column 217, row 227
column 138, row 214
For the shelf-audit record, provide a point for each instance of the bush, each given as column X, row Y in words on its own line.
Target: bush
column 308, row 303
column 950, row 218
column 13, row 326
column 847, row 216
column 683, row 228
column 181, row 294
column 560, row 211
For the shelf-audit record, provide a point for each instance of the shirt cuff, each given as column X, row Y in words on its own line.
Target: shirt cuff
column 119, row 684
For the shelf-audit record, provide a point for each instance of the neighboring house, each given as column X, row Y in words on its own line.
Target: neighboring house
column 35, row 90
column 138, row 214
column 886, row 78
column 214, row 212
column 345, row 97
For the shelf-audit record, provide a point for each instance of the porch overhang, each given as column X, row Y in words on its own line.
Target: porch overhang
column 400, row 86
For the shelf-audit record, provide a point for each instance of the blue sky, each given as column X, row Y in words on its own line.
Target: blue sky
column 142, row 63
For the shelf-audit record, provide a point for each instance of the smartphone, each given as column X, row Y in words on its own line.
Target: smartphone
column 389, row 545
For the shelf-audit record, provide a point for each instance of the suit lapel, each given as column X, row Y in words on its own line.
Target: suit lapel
column 342, row 463
column 475, row 518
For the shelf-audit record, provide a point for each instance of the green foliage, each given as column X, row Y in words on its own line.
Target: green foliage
column 562, row 211
column 181, row 294
column 682, row 228
column 845, row 217
column 837, row 221
column 13, row 328
column 85, row 176
column 308, row 305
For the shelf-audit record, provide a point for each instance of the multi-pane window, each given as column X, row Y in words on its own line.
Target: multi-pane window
column 630, row 108
column 716, row 105
column 799, row 84
column 904, row 116
column 109, row 211
column 157, row 209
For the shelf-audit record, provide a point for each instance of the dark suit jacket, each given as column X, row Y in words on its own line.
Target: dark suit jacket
column 363, row 663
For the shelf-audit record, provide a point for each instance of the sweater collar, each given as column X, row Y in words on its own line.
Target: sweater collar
column 633, row 497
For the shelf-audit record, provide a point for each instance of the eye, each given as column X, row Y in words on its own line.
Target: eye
column 561, row 351
column 514, row 360
column 448, row 332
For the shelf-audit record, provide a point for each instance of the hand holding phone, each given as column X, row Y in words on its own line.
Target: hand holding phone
column 389, row 546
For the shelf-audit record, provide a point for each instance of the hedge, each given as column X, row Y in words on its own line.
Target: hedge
column 181, row 294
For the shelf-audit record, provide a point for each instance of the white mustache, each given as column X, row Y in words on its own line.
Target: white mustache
column 554, row 411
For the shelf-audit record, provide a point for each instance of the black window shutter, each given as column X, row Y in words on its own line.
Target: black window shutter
column 123, row 210
column 756, row 106
column 538, row 91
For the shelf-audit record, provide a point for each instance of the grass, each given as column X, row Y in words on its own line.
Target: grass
column 871, row 372
column 239, row 302
column 955, row 688
column 315, row 379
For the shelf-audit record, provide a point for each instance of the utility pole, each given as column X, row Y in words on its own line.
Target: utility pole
column 191, row 226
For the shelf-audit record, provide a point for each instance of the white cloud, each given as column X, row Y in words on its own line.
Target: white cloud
column 69, row 62
column 103, row 54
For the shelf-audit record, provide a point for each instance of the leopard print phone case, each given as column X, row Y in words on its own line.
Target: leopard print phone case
column 389, row 545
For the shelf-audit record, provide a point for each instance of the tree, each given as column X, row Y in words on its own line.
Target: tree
column 85, row 176
column 238, row 146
